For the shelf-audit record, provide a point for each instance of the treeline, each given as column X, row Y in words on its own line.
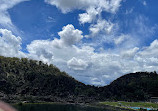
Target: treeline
column 139, row 86
column 23, row 77
column 33, row 81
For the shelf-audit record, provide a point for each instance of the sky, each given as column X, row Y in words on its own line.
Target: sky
column 94, row 41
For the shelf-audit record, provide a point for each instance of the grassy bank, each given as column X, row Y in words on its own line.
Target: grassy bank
column 131, row 104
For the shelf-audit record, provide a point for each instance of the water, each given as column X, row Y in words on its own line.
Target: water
column 143, row 108
column 58, row 107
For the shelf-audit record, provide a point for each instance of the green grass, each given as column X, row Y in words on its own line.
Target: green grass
column 131, row 104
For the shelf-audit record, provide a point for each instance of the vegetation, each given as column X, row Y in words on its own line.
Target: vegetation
column 139, row 86
column 131, row 104
column 33, row 81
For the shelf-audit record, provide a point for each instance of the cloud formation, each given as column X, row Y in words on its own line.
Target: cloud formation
column 77, row 64
column 91, row 8
column 5, row 20
column 10, row 45
column 121, row 39
column 101, row 26
column 98, row 59
column 89, row 16
column 83, row 63
column 69, row 5
column 97, row 66
column 68, row 36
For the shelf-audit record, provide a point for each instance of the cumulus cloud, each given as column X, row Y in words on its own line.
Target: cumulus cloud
column 5, row 20
column 69, row 5
column 40, row 50
column 47, row 50
column 101, row 26
column 73, row 58
column 150, row 51
column 77, row 64
column 10, row 45
column 92, row 8
column 85, row 62
column 93, row 13
column 68, row 36
column 130, row 53
column 89, row 16
column 91, row 67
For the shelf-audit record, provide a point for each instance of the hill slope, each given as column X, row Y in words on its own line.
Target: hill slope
column 139, row 86
column 34, row 81
column 23, row 78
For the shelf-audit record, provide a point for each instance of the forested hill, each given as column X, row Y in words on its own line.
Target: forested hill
column 23, row 79
column 139, row 86
column 34, row 81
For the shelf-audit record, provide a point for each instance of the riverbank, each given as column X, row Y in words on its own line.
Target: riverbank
column 132, row 105
column 83, row 105
column 118, row 106
column 47, row 99
column 111, row 107
column 65, row 107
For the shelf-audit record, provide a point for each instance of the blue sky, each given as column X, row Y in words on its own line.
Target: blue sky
column 93, row 41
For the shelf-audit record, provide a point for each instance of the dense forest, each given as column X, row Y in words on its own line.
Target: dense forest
column 139, row 86
column 24, row 80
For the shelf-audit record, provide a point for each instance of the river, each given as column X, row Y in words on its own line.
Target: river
column 58, row 107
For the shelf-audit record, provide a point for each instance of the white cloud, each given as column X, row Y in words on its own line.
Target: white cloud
column 41, row 50
column 84, row 59
column 151, row 51
column 69, row 5
column 101, row 26
column 74, row 59
column 142, row 27
column 91, row 67
column 110, row 5
column 5, row 20
column 120, row 39
column 92, row 8
column 68, row 36
column 10, row 45
column 93, row 13
column 61, row 49
column 77, row 64
column 85, row 63
column 89, row 16
column 130, row 53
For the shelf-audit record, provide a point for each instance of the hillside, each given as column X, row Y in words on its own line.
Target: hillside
column 139, row 86
column 34, row 81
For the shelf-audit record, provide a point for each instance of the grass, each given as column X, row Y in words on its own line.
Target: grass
column 131, row 104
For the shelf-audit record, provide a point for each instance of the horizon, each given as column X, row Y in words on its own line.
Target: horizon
column 95, row 42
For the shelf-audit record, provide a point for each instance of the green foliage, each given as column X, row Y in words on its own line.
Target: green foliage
column 131, row 104
column 33, row 78
column 140, row 86
column 24, row 77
